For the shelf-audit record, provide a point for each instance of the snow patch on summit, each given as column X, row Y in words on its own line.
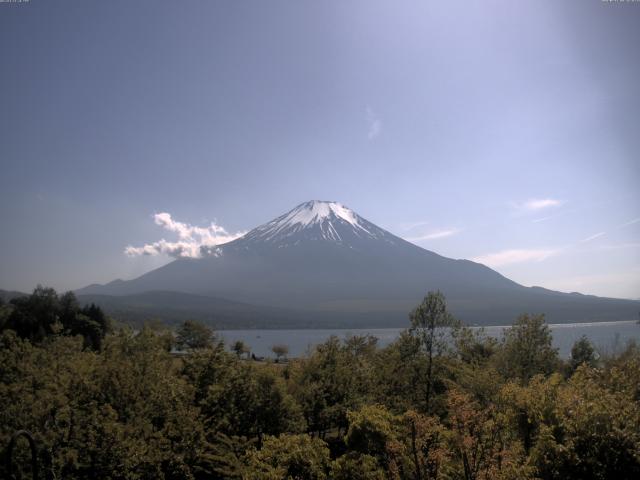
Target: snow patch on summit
column 318, row 220
column 317, row 211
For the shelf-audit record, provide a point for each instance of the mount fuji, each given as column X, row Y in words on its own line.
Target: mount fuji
column 321, row 264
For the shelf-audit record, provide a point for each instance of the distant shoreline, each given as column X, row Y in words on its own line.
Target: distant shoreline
column 552, row 325
column 605, row 336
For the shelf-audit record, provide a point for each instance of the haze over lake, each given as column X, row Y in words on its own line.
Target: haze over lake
column 606, row 337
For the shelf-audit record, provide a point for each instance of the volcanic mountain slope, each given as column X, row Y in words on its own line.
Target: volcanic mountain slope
column 323, row 261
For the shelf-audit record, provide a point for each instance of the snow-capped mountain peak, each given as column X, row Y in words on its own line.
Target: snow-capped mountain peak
column 316, row 220
column 317, row 211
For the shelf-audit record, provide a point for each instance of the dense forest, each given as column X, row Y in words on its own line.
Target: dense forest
column 441, row 402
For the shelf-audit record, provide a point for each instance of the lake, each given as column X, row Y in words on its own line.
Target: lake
column 605, row 336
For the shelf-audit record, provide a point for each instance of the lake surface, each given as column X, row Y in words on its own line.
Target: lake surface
column 605, row 336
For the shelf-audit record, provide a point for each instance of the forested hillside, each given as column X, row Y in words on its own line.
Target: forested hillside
column 438, row 403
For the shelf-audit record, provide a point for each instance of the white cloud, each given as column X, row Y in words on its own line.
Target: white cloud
column 620, row 284
column 507, row 257
column 593, row 237
column 434, row 235
column 407, row 226
column 630, row 222
column 543, row 219
column 536, row 204
column 620, row 246
column 374, row 124
column 193, row 241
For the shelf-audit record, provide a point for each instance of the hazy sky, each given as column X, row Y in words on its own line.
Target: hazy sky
column 505, row 132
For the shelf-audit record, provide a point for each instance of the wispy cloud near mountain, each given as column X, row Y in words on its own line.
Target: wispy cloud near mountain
column 374, row 124
column 593, row 237
column 508, row 257
column 630, row 222
column 433, row 235
column 192, row 240
column 536, row 204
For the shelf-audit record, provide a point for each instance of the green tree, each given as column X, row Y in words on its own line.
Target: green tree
column 582, row 352
column 334, row 379
column 594, row 433
column 474, row 346
column 252, row 401
column 221, row 458
column 407, row 446
column 119, row 413
column 164, row 333
column 5, row 311
column 622, row 372
column 527, row 350
column 37, row 316
column 431, row 323
column 473, row 367
column 240, row 348
column 530, row 407
column 399, row 371
column 479, row 441
column 370, row 430
column 357, row 466
column 205, row 368
column 280, row 351
column 94, row 327
column 194, row 335
column 44, row 314
column 90, row 321
column 420, row 451
column 290, row 457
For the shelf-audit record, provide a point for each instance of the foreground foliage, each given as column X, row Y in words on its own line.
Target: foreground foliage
column 425, row 407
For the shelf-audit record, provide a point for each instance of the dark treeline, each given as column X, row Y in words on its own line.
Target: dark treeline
column 438, row 403
column 44, row 313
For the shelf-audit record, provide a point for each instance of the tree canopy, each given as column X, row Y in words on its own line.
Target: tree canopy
column 194, row 335
column 129, row 408
column 44, row 314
